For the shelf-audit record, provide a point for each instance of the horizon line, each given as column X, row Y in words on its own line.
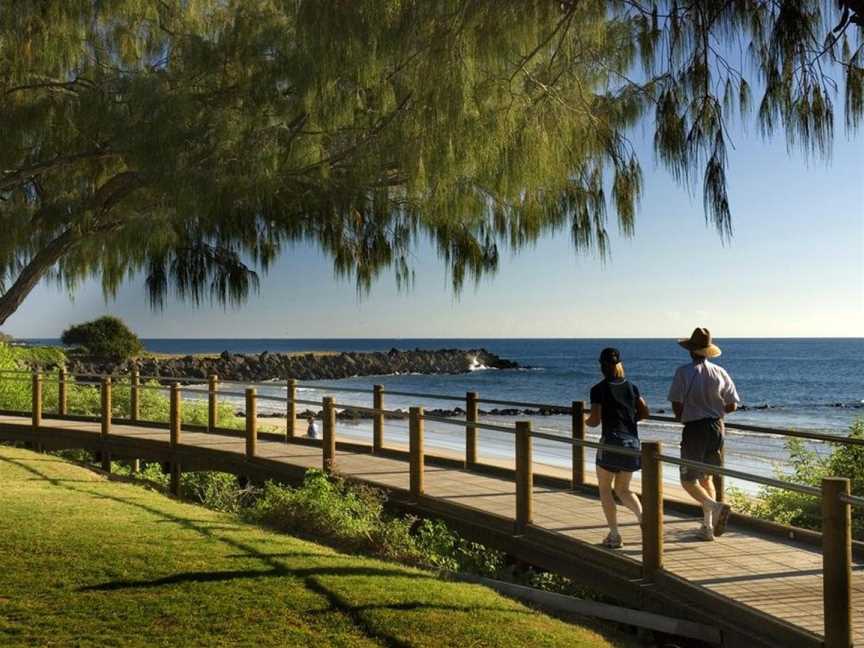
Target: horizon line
column 736, row 337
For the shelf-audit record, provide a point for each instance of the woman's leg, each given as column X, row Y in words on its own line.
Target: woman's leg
column 604, row 482
column 628, row 498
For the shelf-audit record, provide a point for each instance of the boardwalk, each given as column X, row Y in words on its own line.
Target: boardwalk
column 744, row 573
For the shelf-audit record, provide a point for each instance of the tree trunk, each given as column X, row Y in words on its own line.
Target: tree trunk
column 102, row 202
column 34, row 271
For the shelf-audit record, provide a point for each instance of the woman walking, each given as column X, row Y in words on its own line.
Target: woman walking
column 616, row 403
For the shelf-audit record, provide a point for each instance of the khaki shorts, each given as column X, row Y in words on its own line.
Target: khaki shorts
column 701, row 441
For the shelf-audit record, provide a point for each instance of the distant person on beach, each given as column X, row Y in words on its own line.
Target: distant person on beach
column 702, row 393
column 616, row 403
column 312, row 430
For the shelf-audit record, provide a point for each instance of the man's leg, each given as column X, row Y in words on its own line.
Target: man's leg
column 707, row 484
column 696, row 490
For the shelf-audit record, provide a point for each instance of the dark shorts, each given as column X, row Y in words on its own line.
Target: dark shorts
column 614, row 462
column 701, row 441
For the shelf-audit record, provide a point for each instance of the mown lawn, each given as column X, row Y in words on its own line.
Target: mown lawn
column 85, row 561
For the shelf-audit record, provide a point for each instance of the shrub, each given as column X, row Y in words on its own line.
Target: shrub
column 217, row 490
column 798, row 509
column 352, row 517
column 15, row 389
column 444, row 549
column 106, row 337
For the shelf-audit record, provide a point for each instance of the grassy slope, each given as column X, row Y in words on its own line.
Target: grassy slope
column 85, row 561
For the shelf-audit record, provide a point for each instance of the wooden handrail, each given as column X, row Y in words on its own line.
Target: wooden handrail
column 814, row 436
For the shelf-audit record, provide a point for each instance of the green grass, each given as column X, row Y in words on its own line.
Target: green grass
column 86, row 561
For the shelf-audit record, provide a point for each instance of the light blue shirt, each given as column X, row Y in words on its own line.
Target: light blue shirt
column 704, row 389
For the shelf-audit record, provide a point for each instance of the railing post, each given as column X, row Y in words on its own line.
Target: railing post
column 652, row 509
column 135, row 394
column 578, row 432
column 328, row 415
column 836, row 563
column 378, row 418
column 524, row 476
column 471, row 416
column 175, row 417
column 251, row 423
column 134, row 405
column 415, row 450
column 36, row 405
column 106, row 422
column 212, row 404
column 62, row 397
column 291, row 413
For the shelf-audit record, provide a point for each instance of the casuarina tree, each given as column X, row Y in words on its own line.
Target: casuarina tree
column 190, row 142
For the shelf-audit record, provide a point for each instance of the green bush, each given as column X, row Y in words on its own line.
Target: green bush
column 106, row 337
column 444, row 549
column 350, row 517
column 798, row 509
column 16, row 388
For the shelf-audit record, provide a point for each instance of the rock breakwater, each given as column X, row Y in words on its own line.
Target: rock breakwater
column 303, row 366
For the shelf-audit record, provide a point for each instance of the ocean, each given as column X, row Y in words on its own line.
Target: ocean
column 811, row 384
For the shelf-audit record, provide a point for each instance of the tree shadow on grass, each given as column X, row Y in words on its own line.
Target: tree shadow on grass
column 221, row 576
column 310, row 576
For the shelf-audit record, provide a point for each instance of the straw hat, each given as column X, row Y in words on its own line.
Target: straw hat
column 700, row 343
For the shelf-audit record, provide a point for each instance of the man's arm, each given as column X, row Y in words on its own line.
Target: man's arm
column 730, row 394
column 676, row 394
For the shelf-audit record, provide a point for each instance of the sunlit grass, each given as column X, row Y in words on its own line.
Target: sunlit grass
column 85, row 561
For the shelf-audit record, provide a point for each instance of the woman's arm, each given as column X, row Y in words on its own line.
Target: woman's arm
column 642, row 411
column 593, row 419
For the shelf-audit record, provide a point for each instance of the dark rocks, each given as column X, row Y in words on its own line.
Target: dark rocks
column 306, row 366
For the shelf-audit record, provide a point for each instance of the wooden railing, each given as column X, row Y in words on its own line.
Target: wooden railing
column 835, row 492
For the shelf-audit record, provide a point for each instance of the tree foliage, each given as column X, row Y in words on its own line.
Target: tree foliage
column 105, row 337
column 193, row 142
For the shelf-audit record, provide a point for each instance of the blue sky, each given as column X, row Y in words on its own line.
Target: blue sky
column 795, row 267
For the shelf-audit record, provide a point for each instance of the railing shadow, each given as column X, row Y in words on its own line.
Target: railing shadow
column 309, row 576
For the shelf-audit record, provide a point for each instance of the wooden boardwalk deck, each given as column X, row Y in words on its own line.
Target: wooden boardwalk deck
column 773, row 580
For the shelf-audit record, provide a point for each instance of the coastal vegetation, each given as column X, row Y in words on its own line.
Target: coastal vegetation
column 84, row 399
column 808, row 468
column 134, row 567
column 106, row 337
column 193, row 142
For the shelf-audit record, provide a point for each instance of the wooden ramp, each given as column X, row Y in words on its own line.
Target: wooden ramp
column 756, row 586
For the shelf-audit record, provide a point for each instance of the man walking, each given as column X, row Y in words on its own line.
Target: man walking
column 702, row 393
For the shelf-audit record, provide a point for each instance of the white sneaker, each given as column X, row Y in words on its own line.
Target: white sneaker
column 706, row 533
column 613, row 541
column 721, row 516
